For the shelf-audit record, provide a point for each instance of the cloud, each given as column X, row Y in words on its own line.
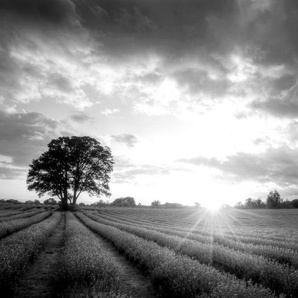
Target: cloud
column 127, row 171
column 128, row 139
column 12, row 173
column 199, row 81
column 158, row 58
column 284, row 105
column 130, row 175
column 80, row 117
column 276, row 165
column 24, row 136
column 42, row 53
column 147, row 170
column 55, row 12
column 108, row 112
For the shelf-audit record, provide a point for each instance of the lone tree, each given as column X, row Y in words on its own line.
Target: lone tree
column 71, row 166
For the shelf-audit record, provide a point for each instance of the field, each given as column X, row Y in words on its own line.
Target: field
column 146, row 252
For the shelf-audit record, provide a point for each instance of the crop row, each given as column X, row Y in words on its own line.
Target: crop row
column 175, row 275
column 224, row 239
column 200, row 219
column 9, row 227
column 17, row 250
column 20, row 215
column 6, row 212
column 278, row 277
column 84, row 268
column 16, row 207
column 282, row 255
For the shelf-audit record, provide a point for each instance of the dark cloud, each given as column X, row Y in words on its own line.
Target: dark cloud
column 60, row 82
column 265, row 31
column 199, row 81
column 128, row 139
column 36, row 36
column 194, row 41
column 24, row 136
column 277, row 165
column 274, row 33
column 283, row 83
column 286, row 105
column 52, row 11
column 166, row 27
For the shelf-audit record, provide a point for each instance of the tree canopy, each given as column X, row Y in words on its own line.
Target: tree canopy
column 273, row 200
column 124, row 202
column 70, row 166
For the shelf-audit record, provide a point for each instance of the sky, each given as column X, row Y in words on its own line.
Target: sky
column 197, row 99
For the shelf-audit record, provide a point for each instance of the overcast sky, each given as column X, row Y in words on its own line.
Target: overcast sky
column 197, row 99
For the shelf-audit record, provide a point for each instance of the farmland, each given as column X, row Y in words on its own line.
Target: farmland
column 147, row 252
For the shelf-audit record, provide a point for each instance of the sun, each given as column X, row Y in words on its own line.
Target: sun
column 213, row 206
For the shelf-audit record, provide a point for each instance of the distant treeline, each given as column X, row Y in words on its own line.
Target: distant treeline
column 130, row 202
column 119, row 202
column 273, row 201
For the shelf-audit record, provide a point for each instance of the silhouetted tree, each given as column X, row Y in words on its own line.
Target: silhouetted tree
column 29, row 202
column 12, row 201
column 155, row 204
column 172, row 205
column 295, row 203
column 260, row 204
column 100, row 203
column 75, row 164
column 273, row 200
column 239, row 205
column 50, row 201
column 124, row 202
column 249, row 203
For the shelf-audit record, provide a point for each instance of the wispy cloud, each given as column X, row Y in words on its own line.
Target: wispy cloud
column 128, row 139
column 127, row 171
column 80, row 117
column 25, row 135
column 278, row 165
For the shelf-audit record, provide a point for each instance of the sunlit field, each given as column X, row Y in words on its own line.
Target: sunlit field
column 148, row 252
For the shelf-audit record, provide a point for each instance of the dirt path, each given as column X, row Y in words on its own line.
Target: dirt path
column 132, row 280
column 36, row 282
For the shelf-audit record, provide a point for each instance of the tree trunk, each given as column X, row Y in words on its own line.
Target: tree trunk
column 64, row 198
column 64, row 203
